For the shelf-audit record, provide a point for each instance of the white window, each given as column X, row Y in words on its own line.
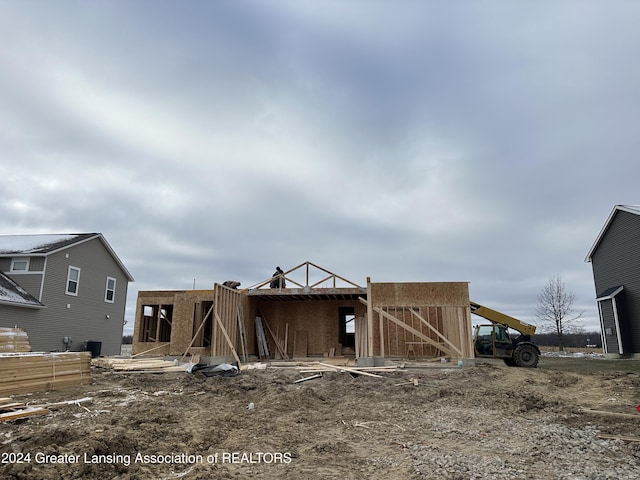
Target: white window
column 110, row 290
column 73, row 280
column 20, row 265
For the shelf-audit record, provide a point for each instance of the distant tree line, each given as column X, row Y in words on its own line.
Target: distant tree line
column 127, row 339
column 569, row 340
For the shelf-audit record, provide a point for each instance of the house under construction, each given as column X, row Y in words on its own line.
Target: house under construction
column 307, row 312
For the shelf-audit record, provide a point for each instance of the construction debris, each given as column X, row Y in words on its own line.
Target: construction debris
column 412, row 381
column 613, row 414
column 312, row 377
column 13, row 410
column 25, row 412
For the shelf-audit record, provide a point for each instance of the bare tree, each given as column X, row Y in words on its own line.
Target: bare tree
column 555, row 310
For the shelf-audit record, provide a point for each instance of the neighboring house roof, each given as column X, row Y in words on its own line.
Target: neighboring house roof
column 634, row 209
column 13, row 294
column 46, row 244
column 609, row 293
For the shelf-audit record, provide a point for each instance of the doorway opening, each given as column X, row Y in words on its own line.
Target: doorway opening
column 347, row 327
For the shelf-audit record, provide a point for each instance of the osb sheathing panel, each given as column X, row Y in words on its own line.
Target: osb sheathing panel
column 319, row 318
column 182, row 325
column 420, row 294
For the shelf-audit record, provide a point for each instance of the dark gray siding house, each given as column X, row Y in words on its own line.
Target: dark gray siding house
column 63, row 290
column 615, row 260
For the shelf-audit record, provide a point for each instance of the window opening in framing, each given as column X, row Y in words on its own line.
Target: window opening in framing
column 156, row 323
column 347, row 327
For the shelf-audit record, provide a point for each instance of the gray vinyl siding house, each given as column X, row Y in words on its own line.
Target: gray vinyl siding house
column 61, row 287
column 615, row 260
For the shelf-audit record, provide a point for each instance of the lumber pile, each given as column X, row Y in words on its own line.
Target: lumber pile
column 132, row 365
column 13, row 340
column 39, row 372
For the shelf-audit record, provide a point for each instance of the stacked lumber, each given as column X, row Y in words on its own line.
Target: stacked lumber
column 39, row 372
column 149, row 365
column 13, row 340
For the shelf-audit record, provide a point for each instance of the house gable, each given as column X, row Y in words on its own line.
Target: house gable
column 630, row 209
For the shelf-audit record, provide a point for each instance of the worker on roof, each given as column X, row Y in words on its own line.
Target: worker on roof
column 277, row 280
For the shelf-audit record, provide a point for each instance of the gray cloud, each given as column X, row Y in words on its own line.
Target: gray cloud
column 425, row 141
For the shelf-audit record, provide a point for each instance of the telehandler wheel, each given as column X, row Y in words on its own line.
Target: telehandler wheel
column 509, row 362
column 526, row 355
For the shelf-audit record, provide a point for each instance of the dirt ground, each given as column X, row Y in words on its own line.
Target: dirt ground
column 483, row 421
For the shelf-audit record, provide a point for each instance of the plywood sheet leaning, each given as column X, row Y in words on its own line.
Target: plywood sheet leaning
column 13, row 340
column 39, row 372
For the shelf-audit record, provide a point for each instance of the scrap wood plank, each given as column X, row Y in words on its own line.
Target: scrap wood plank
column 619, row 437
column 62, row 404
column 614, row 414
column 11, row 406
column 350, row 370
column 26, row 412
column 310, row 369
column 312, row 377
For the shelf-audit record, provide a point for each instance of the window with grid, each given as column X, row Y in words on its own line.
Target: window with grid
column 110, row 290
column 73, row 281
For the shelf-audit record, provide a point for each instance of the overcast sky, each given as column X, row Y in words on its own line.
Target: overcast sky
column 406, row 141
